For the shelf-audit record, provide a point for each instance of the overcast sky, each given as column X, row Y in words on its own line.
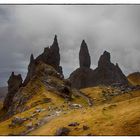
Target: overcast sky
column 28, row 29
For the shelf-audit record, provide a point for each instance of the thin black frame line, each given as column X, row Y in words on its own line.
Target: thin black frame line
column 70, row 4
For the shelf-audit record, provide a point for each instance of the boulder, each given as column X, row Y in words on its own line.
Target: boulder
column 62, row 131
column 85, row 127
column 73, row 124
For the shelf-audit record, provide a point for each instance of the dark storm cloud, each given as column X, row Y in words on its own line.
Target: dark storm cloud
column 28, row 29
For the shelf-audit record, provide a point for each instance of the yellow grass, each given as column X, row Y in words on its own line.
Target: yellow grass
column 118, row 116
column 121, row 118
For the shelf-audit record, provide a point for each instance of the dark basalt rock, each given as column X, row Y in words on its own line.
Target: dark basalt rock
column 50, row 56
column 104, row 60
column 74, row 124
column 62, row 131
column 105, row 74
column 84, row 57
column 14, row 83
column 81, row 78
column 31, row 70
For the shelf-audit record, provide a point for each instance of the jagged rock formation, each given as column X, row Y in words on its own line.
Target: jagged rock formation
column 84, row 57
column 14, row 83
column 45, row 75
column 42, row 71
column 105, row 74
column 31, row 70
column 50, row 56
column 81, row 77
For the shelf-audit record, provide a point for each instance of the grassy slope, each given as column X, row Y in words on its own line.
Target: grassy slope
column 118, row 116
column 134, row 78
column 37, row 102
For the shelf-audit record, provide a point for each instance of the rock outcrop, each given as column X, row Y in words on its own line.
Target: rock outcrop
column 31, row 70
column 50, row 56
column 81, row 77
column 14, row 83
column 45, row 77
column 105, row 74
column 84, row 57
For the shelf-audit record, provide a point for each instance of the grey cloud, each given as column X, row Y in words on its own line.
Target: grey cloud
column 26, row 29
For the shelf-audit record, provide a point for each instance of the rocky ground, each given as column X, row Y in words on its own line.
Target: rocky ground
column 113, row 109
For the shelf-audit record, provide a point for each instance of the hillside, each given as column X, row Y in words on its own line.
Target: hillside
column 134, row 78
column 118, row 116
column 110, row 115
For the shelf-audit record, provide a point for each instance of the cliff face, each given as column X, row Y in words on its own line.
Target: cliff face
column 105, row 74
column 14, row 83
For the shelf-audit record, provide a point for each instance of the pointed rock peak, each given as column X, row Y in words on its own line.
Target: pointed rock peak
column 55, row 38
column 104, row 59
column 84, row 57
column 12, row 74
column 83, row 43
column 55, row 47
column 55, row 42
column 106, row 55
column 31, row 58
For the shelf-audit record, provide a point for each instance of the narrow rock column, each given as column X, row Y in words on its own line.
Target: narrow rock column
column 84, row 57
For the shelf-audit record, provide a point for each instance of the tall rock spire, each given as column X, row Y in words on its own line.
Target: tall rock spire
column 31, row 70
column 54, row 48
column 50, row 56
column 84, row 57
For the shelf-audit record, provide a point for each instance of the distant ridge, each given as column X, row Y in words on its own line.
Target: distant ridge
column 134, row 78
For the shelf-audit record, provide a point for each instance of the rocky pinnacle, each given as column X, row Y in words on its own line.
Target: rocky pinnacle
column 84, row 57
